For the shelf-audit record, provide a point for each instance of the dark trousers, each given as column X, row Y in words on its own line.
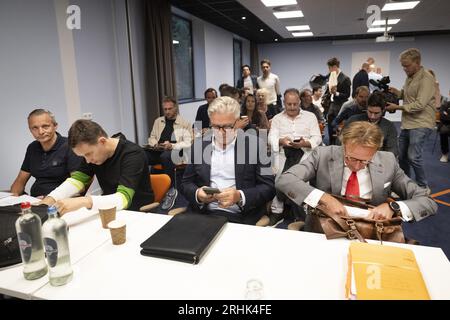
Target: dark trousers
column 164, row 158
column 444, row 143
column 332, row 114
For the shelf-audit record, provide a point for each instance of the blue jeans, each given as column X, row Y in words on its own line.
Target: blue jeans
column 411, row 142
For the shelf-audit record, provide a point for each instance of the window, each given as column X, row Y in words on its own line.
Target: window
column 182, row 51
column 237, row 59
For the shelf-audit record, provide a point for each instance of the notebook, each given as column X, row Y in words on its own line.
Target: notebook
column 185, row 237
column 383, row 272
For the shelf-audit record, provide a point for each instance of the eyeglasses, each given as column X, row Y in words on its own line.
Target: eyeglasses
column 351, row 159
column 225, row 127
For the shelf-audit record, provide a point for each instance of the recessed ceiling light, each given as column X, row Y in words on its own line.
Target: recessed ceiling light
column 297, row 28
column 243, row 18
column 383, row 22
column 261, row 30
column 288, row 14
column 175, row 41
column 302, row 34
column 276, row 39
column 273, row 3
column 399, row 6
column 378, row 29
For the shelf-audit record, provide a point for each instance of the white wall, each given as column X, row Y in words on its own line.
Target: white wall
column 31, row 69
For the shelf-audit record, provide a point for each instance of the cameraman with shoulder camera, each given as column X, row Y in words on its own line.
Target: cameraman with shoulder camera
column 418, row 116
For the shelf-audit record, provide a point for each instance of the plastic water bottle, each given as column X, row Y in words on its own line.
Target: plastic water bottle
column 57, row 248
column 29, row 233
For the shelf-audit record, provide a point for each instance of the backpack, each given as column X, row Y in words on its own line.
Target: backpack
column 9, row 245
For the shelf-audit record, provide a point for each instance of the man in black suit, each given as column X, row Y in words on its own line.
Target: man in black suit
column 202, row 112
column 247, row 82
column 223, row 159
column 361, row 78
column 339, row 90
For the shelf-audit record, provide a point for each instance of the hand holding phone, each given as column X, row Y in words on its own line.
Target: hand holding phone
column 209, row 190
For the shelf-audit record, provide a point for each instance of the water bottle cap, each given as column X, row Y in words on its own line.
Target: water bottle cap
column 25, row 205
column 52, row 210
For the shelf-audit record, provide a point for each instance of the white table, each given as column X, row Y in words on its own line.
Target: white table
column 290, row 265
column 85, row 235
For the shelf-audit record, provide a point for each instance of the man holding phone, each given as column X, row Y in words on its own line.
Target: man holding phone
column 225, row 176
column 294, row 133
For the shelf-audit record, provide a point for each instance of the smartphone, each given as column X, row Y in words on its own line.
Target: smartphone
column 209, row 190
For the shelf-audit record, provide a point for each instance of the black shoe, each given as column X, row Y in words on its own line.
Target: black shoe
column 275, row 219
column 169, row 199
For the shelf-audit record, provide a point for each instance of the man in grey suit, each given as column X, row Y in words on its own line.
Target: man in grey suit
column 357, row 170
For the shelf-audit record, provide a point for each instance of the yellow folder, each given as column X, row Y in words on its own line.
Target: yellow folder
column 380, row 272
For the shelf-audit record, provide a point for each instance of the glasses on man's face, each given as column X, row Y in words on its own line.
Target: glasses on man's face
column 225, row 127
column 354, row 160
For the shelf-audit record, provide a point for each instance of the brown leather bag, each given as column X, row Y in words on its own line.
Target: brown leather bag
column 335, row 226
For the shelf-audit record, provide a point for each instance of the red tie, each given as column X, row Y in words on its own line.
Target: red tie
column 352, row 190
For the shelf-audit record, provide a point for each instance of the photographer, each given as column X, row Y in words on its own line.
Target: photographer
column 418, row 116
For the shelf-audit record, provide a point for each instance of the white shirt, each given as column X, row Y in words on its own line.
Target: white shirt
column 248, row 83
column 272, row 85
column 318, row 103
column 365, row 191
column 223, row 174
column 305, row 125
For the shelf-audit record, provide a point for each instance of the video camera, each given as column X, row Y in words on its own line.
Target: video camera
column 382, row 84
column 318, row 80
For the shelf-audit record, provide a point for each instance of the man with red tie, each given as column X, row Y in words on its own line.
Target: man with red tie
column 356, row 169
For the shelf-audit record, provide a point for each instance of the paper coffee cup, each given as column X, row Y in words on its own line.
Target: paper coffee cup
column 118, row 231
column 107, row 215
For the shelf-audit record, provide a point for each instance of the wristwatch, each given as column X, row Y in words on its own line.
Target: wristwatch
column 395, row 207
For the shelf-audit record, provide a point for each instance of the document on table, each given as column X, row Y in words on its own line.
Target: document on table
column 14, row 200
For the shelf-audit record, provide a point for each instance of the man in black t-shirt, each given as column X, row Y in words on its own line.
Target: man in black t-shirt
column 48, row 159
column 120, row 166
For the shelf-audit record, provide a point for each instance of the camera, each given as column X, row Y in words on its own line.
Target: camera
column 318, row 80
column 382, row 84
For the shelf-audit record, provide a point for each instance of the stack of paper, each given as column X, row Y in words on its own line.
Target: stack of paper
column 383, row 272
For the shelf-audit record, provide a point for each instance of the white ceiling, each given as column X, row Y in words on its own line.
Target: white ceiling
column 330, row 18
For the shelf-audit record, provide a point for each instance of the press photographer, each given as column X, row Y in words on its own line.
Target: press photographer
column 383, row 87
column 418, row 116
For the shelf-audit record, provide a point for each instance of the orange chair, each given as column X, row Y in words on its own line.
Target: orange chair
column 160, row 185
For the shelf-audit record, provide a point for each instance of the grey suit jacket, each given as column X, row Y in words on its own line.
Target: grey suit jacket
column 324, row 169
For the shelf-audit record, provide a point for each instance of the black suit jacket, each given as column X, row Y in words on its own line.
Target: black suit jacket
column 360, row 79
column 202, row 115
column 343, row 87
column 255, row 179
column 240, row 83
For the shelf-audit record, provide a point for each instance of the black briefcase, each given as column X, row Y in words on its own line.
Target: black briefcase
column 184, row 238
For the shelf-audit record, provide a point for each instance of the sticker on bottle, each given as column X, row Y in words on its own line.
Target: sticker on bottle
column 51, row 251
column 25, row 246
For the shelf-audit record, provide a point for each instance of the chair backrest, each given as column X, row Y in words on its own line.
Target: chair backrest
column 160, row 184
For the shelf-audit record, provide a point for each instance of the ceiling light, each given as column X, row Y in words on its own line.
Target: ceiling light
column 399, row 6
column 298, row 28
column 175, row 41
column 261, row 30
column 276, row 39
column 383, row 22
column 378, row 29
column 288, row 14
column 302, row 34
column 273, row 3
column 243, row 18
